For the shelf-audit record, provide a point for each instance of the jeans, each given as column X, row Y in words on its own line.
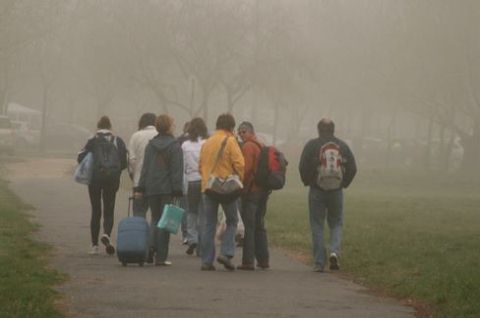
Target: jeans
column 329, row 205
column 208, row 234
column 195, row 217
column 97, row 194
column 255, row 243
column 160, row 238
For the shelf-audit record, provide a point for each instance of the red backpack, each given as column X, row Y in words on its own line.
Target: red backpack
column 271, row 168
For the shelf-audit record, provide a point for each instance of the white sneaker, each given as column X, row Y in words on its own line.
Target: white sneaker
column 94, row 250
column 164, row 263
column 334, row 265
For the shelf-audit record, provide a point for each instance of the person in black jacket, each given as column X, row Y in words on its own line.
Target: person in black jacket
column 327, row 165
column 161, row 180
column 110, row 158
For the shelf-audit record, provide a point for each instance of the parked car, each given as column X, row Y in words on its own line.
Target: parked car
column 59, row 137
column 25, row 137
column 65, row 137
column 7, row 135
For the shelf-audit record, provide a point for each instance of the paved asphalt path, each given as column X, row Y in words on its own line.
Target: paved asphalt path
column 100, row 287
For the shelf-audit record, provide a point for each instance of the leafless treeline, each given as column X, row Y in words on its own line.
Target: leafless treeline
column 398, row 77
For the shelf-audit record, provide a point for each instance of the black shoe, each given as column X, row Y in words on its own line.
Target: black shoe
column 108, row 246
column 207, row 267
column 151, row 254
column 191, row 248
column 246, row 267
column 334, row 266
column 263, row 265
column 225, row 261
column 318, row 268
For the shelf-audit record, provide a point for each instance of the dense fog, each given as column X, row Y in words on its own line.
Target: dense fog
column 401, row 79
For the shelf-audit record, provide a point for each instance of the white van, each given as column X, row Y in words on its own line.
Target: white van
column 26, row 122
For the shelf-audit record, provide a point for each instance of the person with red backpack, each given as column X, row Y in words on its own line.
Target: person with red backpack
column 254, row 198
column 327, row 166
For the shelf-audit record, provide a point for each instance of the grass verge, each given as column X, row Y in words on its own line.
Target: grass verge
column 25, row 279
column 413, row 238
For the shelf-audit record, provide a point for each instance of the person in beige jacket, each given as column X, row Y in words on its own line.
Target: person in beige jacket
column 231, row 162
column 136, row 151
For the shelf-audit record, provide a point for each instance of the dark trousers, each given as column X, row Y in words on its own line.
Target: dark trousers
column 102, row 193
column 255, row 243
column 182, row 203
column 140, row 208
column 161, row 238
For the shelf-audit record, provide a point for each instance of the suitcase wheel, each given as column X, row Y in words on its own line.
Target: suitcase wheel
column 140, row 264
column 124, row 264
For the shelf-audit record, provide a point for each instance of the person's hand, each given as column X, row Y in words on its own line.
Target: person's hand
column 177, row 194
column 137, row 195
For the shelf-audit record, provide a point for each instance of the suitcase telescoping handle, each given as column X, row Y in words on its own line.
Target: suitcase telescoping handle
column 176, row 201
column 130, row 200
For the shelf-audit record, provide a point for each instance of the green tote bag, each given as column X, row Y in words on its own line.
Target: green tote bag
column 171, row 218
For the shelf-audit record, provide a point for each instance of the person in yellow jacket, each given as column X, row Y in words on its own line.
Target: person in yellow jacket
column 231, row 162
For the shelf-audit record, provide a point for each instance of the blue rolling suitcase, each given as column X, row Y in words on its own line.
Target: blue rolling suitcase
column 132, row 239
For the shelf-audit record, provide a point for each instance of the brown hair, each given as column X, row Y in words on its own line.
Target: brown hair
column 147, row 119
column 226, row 122
column 104, row 123
column 164, row 125
column 197, row 129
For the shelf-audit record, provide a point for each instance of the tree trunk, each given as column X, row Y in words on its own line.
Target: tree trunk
column 43, row 133
column 428, row 148
column 4, row 99
column 229, row 101
column 445, row 162
column 204, row 108
column 358, row 140
column 276, row 118
column 471, row 152
column 101, row 110
column 389, row 140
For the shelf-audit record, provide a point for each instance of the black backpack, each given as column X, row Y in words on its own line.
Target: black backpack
column 106, row 159
column 271, row 168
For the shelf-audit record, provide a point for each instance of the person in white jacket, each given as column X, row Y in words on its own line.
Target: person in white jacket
column 138, row 143
column 136, row 151
column 197, row 133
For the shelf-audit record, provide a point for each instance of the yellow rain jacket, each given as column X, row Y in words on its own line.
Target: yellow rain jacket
column 231, row 162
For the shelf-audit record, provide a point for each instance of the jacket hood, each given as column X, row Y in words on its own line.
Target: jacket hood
column 162, row 142
column 104, row 132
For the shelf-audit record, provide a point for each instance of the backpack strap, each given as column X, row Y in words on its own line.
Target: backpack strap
column 255, row 169
column 219, row 154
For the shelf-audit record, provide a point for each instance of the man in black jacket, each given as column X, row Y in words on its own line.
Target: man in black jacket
column 327, row 165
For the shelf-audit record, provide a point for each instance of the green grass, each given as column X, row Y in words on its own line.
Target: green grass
column 410, row 237
column 25, row 280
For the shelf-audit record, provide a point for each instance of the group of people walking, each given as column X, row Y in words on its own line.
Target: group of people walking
column 166, row 170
